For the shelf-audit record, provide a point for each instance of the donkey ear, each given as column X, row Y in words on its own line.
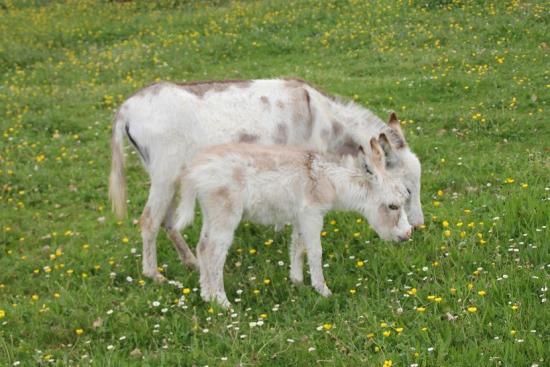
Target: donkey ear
column 389, row 153
column 385, row 144
column 397, row 137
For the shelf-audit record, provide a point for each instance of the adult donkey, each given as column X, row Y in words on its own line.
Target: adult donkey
column 169, row 123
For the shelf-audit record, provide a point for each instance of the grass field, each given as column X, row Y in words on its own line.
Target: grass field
column 469, row 79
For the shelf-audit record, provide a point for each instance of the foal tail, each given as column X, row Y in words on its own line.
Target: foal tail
column 117, row 182
column 185, row 211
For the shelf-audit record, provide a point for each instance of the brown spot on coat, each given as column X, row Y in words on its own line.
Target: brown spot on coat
column 221, row 198
column 264, row 100
column 280, row 104
column 150, row 90
column 222, row 192
column 248, row 138
column 281, row 135
column 202, row 87
column 293, row 82
column 348, row 147
column 302, row 116
column 337, row 129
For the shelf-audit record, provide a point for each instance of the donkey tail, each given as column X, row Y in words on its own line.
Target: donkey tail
column 117, row 182
column 185, row 211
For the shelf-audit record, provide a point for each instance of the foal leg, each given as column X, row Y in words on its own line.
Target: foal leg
column 203, row 258
column 310, row 228
column 220, row 219
column 160, row 197
column 218, row 255
column 297, row 252
column 185, row 254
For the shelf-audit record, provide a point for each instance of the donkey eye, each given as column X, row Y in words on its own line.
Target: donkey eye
column 408, row 191
column 393, row 207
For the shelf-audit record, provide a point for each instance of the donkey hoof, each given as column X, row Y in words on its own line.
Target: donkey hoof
column 191, row 263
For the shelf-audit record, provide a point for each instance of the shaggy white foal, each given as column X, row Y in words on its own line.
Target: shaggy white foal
column 278, row 185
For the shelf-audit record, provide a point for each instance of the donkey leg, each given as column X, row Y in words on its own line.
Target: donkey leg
column 184, row 252
column 159, row 199
column 297, row 252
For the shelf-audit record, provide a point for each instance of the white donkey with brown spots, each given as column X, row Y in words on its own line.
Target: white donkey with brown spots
column 169, row 123
column 277, row 185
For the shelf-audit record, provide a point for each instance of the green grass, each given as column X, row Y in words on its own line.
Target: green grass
column 469, row 79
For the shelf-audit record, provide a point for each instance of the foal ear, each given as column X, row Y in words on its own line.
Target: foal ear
column 364, row 162
column 378, row 156
column 396, row 134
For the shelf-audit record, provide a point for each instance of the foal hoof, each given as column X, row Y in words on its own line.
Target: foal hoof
column 324, row 291
column 297, row 281
column 224, row 302
column 157, row 277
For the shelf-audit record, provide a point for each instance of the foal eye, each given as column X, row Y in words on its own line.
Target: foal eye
column 408, row 191
column 368, row 169
column 393, row 207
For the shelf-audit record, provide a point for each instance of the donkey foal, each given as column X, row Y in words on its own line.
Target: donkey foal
column 277, row 185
